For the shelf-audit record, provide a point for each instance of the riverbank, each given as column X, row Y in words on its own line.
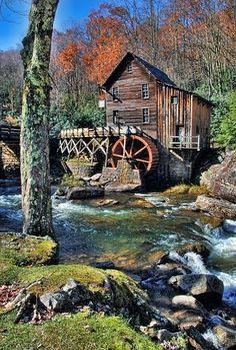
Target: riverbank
column 177, row 302
column 87, row 308
column 131, row 232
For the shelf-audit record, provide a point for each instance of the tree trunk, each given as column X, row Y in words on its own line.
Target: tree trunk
column 36, row 199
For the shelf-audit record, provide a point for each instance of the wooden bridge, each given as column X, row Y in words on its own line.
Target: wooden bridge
column 10, row 133
column 113, row 144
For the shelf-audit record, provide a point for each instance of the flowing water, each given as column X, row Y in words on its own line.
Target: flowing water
column 132, row 232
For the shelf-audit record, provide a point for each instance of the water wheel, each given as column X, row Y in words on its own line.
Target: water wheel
column 140, row 152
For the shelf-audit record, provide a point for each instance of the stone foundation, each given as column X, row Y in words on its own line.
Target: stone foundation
column 82, row 170
column 173, row 168
column 122, row 178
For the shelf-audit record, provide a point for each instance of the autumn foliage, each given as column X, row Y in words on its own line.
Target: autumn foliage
column 107, row 44
column 68, row 57
column 187, row 39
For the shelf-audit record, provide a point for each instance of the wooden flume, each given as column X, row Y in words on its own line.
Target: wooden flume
column 112, row 144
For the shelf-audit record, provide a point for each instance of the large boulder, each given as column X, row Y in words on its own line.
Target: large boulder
column 208, row 289
column 88, row 192
column 220, row 179
column 218, row 207
column 187, row 301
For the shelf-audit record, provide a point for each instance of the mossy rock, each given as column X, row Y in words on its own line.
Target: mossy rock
column 83, row 330
column 107, row 287
column 23, row 250
column 194, row 190
column 22, row 258
column 71, row 181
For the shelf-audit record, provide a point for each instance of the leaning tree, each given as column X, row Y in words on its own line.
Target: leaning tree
column 35, row 177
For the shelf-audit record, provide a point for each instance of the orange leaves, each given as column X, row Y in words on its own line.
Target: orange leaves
column 101, row 59
column 103, row 46
column 67, row 58
column 107, row 44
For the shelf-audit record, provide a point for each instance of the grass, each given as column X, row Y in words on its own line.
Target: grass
column 75, row 332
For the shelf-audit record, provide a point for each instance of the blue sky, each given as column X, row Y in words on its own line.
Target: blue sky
column 13, row 23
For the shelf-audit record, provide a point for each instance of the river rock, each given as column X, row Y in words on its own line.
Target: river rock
column 184, row 318
column 220, row 179
column 196, row 247
column 229, row 226
column 169, row 269
column 156, row 256
column 58, row 302
column 85, row 193
column 118, row 187
column 152, row 329
column 226, row 336
column 208, row 289
column 107, row 202
column 94, row 183
column 197, row 341
column 60, row 192
column 187, row 301
column 96, row 177
column 218, row 207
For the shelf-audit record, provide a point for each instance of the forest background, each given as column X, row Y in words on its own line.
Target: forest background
column 193, row 41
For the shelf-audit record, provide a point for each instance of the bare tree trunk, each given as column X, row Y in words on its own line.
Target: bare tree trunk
column 36, row 199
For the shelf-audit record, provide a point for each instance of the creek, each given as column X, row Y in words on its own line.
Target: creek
column 132, row 232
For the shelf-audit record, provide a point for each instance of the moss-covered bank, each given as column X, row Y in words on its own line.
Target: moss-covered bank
column 22, row 261
column 194, row 190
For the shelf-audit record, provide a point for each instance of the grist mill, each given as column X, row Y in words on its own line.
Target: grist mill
column 157, row 128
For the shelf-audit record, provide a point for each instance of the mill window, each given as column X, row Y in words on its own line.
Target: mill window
column 145, row 91
column 145, row 115
column 174, row 100
column 115, row 93
column 115, row 117
column 129, row 68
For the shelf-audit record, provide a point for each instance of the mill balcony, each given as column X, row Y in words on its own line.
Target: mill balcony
column 185, row 142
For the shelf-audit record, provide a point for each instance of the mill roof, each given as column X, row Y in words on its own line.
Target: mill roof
column 158, row 74
column 154, row 71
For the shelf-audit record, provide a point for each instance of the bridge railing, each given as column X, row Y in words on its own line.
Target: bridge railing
column 185, row 142
column 106, row 131
column 8, row 132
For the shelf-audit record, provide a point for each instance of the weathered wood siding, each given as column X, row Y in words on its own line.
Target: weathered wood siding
column 170, row 116
column 201, row 120
column 165, row 117
column 131, row 105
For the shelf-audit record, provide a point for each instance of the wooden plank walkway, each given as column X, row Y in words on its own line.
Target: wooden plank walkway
column 9, row 133
column 103, row 132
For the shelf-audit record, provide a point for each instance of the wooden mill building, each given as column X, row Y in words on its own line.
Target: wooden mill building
column 139, row 94
column 157, row 127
